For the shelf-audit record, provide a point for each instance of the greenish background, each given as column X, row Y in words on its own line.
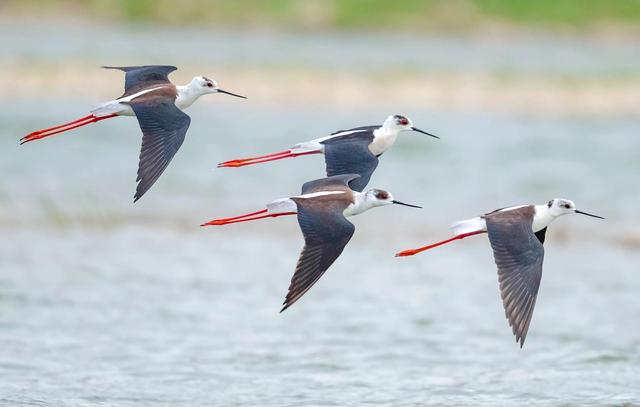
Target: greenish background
column 350, row 14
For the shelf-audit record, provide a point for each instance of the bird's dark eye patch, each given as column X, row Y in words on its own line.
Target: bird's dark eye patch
column 401, row 120
column 550, row 204
column 209, row 84
column 567, row 206
column 382, row 195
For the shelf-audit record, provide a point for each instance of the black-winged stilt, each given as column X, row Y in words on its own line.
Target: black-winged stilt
column 353, row 151
column 516, row 235
column 322, row 209
column 157, row 104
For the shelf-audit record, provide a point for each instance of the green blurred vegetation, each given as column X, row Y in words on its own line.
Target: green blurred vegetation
column 576, row 12
column 326, row 14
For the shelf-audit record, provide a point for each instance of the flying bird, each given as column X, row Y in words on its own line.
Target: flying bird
column 322, row 210
column 516, row 235
column 353, row 151
column 157, row 104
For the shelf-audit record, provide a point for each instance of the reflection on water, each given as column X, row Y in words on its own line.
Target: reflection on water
column 106, row 302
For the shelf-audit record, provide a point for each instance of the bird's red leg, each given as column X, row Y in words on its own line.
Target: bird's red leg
column 245, row 218
column 264, row 158
column 83, row 121
column 239, row 160
column 411, row 252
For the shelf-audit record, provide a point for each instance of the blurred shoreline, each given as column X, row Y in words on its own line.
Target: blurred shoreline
column 524, row 94
column 515, row 71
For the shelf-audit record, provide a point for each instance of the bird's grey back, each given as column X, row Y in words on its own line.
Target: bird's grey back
column 333, row 183
column 138, row 78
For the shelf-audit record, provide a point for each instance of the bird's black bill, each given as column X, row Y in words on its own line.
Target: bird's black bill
column 406, row 204
column 588, row 214
column 423, row 132
column 232, row 94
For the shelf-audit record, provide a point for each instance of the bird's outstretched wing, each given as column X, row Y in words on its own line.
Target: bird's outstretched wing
column 326, row 232
column 163, row 128
column 142, row 77
column 518, row 253
column 350, row 154
column 334, row 183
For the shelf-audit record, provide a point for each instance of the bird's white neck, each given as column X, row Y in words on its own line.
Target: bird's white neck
column 362, row 203
column 383, row 139
column 541, row 218
column 187, row 94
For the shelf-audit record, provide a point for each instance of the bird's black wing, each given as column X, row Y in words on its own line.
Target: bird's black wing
column 337, row 183
column 350, row 154
column 361, row 128
column 142, row 77
column 326, row 232
column 518, row 254
column 163, row 128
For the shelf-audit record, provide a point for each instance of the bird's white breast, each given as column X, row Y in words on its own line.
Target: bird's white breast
column 358, row 206
column 382, row 141
column 542, row 218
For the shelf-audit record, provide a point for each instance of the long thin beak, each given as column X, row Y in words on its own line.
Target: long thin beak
column 232, row 94
column 406, row 204
column 588, row 214
column 423, row 132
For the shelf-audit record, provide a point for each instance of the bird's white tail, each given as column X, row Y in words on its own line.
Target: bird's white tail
column 469, row 226
column 282, row 205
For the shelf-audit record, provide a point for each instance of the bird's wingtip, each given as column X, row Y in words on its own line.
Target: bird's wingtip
column 520, row 339
column 285, row 306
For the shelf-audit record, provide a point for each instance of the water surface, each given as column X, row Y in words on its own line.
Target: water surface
column 103, row 302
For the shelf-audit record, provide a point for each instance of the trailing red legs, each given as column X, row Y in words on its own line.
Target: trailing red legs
column 241, row 162
column 246, row 218
column 83, row 121
column 411, row 252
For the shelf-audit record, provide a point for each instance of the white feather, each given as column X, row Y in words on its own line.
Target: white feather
column 281, row 206
column 469, row 226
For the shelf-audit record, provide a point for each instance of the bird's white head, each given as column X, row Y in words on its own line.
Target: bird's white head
column 372, row 199
column 560, row 206
column 204, row 85
column 201, row 85
column 397, row 123
column 380, row 197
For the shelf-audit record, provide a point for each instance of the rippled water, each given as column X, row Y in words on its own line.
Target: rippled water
column 107, row 303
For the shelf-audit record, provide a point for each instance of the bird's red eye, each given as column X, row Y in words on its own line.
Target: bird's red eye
column 404, row 121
